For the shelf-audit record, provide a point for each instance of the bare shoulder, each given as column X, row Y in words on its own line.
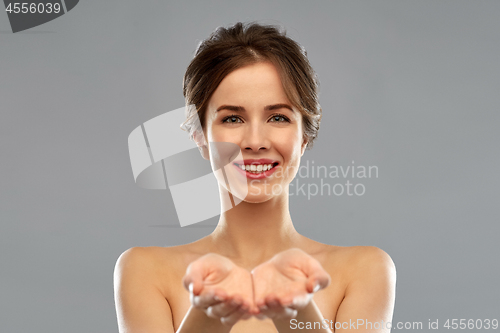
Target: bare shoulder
column 362, row 256
column 147, row 283
column 351, row 261
column 142, row 258
column 137, row 265
column 140, row 302
column 365, row 270
column 135, row 259
column 156, row 261
column 369, row 276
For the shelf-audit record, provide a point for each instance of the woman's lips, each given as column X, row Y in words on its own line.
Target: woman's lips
column 258, row 174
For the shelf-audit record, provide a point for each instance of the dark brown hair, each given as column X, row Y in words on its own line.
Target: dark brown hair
column 228, row 49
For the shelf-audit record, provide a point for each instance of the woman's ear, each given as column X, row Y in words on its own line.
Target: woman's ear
column 303, row 147
column 199, row 138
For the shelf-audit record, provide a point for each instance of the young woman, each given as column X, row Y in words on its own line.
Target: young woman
column 252, row 86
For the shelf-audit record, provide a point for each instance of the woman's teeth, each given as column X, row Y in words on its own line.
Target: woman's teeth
column 256, row 168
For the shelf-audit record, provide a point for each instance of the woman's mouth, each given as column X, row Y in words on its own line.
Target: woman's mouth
column 256, row 170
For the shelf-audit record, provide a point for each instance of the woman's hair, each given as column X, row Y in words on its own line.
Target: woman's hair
column 228, row 49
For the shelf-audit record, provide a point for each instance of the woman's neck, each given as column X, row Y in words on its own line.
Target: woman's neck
column 251, row 233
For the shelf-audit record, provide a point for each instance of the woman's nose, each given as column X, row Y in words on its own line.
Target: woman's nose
column 255, row 138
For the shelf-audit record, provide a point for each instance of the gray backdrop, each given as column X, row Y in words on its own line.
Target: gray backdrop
column 409, row 86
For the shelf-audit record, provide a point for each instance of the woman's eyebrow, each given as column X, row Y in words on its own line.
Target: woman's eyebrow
column 237, row 108
column 278, row 106
column 230, row 108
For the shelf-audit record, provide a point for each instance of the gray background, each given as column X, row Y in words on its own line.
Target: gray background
column 409, row 86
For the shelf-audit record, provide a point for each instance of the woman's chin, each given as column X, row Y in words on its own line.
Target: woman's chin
column 259, row 197
column 257, row 193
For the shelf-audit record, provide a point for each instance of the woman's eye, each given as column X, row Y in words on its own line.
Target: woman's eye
column 279, row 119
column 231, row 119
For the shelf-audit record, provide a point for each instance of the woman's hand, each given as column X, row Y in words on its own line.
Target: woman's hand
column 286, row 283
column 220, row 288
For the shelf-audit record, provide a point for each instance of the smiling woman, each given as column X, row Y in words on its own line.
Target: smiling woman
column 253, row 87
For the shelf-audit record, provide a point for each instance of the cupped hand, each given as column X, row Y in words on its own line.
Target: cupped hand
column 220, row 288
column 286, row 283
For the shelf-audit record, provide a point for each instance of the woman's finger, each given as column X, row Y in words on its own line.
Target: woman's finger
column 317, row 281
column 195, row 275
column 246, row 316
column 300, row 302
column 287, row 313
column 225, row 308
column 234, row 316
column 276, row 310
column 269, row 310
column 193, row 283
column 205, row 299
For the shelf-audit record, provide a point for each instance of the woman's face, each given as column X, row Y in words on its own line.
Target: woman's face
column 251, row 110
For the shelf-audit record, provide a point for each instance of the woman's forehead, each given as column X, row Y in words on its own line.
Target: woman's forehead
column 252, row 85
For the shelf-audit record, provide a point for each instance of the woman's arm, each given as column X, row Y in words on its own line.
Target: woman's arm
column 140, row 305
column 197, row 321
column 369, row 297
